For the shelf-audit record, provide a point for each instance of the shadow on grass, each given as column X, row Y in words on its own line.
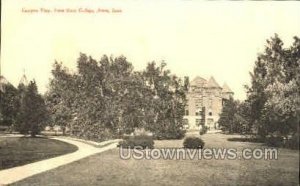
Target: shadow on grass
column 16, row 151
column 246, row 139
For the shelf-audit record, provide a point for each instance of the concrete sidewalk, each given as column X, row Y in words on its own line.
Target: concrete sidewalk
column 15, row 174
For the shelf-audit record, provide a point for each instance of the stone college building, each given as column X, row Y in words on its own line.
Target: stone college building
column 205, row 101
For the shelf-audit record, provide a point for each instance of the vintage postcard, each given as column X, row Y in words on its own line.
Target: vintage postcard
column 184, row 92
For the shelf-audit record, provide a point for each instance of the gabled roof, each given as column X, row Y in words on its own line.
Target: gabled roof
column 226, row 89
column 198, row 81
column 212, row 83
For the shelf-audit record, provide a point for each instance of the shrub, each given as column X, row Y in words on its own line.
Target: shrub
column 142, row 141
column 274, row 141
column 193, row 143
column 178, row 134
column 141, row 132
column 203, row 130
column 293, row 143
column 279, row 141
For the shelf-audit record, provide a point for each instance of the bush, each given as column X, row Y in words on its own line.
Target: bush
column 203, row 130
column 279, row 141
column 178, row 134
column 141, row 132
column 142, row 141
column 293, row 143
column 193, row 143
column 274, row 141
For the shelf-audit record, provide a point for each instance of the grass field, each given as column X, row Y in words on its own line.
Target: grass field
column 108, row 168
column 16, row 151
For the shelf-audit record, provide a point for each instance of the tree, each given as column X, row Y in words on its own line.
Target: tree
column 242, row 120
column 61, row 96
column 32, row 111
column 227, row 116
column 107, row 97
column 167, row 101
column 274, row 93
column 21, row 118
column 8, row 107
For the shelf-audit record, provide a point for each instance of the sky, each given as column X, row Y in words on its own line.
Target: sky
column 195, row 38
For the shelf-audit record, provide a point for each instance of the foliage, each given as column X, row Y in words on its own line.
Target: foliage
column 203, row 130
column 108, row 96
column 175, row 134
column 273, row 96
column 293, row 143
column 228, row 115
column 140, row 141
column 273, row 99
column 274, row 141
column 61, row 96
column 32, row 113
column 193, row 143
column 167, row 99
column 8, row 104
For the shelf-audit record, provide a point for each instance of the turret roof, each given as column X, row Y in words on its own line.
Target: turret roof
column 226, row 88
column 212, row 83
column 198, row 81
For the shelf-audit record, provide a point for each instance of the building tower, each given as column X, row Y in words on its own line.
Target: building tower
column 204, row 103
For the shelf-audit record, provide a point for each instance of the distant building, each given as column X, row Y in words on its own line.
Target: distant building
column 205, row 101
column 3, row 83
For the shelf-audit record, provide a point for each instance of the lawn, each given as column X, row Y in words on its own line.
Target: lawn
column 16, row 151
column 108, row 169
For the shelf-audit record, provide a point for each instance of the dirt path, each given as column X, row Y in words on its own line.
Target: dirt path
column 15, row 174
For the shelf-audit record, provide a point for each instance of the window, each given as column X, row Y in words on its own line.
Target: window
column 186, row 123
column 198, row 112
column 210, row 121
column 198, row 122
column 198, row 103
column 210, row 102
column 186, row 112
column 210, row 113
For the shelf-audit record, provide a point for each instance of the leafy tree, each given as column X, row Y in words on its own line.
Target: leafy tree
column 274, row 92
column 234, row 117
column 61, row 96
column 107, row 97
column 242, row 120
column 281, row 111
column 227, row 116
column 8, row 109
column 32, row 111
column 21, row 118
column 167, row 101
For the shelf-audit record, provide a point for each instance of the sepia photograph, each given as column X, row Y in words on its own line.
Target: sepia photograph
column 149, row 93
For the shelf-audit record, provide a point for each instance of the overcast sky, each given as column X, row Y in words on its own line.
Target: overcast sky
column 220, row 39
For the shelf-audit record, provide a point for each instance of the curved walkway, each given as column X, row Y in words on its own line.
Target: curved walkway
column 15, row 174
